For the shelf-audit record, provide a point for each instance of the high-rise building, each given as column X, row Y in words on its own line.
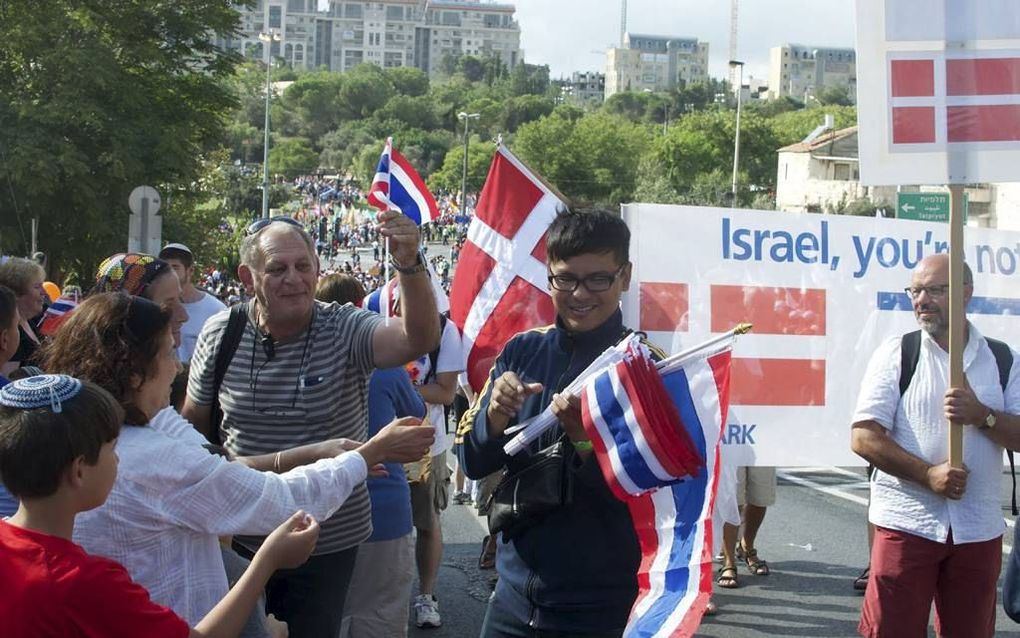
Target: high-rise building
column 388, row 33
column 802, row 72
column 583, row 88
column 655, row 63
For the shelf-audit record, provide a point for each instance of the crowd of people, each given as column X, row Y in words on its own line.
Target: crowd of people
column 178, row 464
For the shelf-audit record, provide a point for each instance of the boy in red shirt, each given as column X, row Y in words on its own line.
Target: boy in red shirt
column 57, row 438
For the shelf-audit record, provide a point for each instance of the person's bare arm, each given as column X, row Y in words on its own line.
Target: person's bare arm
column 963, row 406
column 441, row 390
column 199, row 415
column 872, row 442
column 287, row 547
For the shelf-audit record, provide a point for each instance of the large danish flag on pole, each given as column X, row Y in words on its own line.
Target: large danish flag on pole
column 500, row 287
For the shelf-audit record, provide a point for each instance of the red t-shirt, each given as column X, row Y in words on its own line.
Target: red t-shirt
column 50, row 587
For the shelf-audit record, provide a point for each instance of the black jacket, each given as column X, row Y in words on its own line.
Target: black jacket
column 575, row 570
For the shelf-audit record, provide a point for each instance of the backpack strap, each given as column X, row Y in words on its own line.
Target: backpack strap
column 228, row 346
column 1004, row 362
column 434, row 355
column 910, row 352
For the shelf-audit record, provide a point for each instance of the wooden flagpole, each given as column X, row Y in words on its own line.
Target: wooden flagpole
column 957, row 319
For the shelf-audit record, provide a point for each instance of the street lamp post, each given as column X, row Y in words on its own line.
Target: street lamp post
column 463, row 180
column 268, row 39
column 736, row 139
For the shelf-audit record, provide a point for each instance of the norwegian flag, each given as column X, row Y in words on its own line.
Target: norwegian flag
column 398, row 187
column 672, row 515
column 500, row 287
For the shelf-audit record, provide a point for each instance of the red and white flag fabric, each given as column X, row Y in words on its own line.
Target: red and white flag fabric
column 500, row 287
column 58, row 312
column 672, row 515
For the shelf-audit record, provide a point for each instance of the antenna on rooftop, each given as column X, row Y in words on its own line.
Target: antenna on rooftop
column 623, row 21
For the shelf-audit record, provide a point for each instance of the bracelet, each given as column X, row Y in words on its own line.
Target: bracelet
column 276, row 462
column 583, row 446
column 417, row 267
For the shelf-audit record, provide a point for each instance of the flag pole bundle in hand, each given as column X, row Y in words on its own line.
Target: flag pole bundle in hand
column 397, row 186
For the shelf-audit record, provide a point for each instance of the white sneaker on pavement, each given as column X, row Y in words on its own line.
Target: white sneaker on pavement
column 426, row 611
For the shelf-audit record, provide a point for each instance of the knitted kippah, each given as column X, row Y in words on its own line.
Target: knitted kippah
column 47, row 390
column 130, row 273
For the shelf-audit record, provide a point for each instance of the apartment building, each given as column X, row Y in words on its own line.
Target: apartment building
column 801, row 72
column 387, row 33
column 655, row 63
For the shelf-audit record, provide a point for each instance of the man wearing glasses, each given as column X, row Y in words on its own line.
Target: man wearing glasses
column 572, row 572
column 938, row 529
column 299, row 376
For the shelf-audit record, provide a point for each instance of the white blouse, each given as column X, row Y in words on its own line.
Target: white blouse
column 172, row 500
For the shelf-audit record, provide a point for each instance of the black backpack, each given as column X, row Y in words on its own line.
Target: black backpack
column 910, row 352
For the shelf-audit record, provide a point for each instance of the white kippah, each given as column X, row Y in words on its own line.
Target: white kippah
column 47, row 390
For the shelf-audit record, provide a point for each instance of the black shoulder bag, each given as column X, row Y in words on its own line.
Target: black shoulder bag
column 523, row 498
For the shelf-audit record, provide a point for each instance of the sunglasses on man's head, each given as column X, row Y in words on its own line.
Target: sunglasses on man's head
column 259, row 224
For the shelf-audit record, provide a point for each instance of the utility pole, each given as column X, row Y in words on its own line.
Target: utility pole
column 268, row 39
column 467, row 117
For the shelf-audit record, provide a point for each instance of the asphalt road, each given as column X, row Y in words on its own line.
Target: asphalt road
column 814, row 538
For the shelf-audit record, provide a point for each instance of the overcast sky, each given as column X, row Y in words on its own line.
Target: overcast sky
column 564, row 33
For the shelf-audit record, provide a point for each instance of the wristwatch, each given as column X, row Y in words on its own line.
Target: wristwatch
column 989, row 421
column 417, row 267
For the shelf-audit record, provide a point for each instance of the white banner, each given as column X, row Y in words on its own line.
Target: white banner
column 822, row 292
column 938, row 86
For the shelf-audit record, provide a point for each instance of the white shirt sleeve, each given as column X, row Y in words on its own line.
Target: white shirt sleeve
column 209, row 494
column 451, row 350
column 879, row 397
column 171, row 423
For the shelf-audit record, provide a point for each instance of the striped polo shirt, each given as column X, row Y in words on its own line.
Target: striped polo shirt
column 313, row 388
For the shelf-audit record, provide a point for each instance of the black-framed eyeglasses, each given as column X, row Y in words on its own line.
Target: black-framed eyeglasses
column 259, row 224
column 595, row 282
column 933, row 291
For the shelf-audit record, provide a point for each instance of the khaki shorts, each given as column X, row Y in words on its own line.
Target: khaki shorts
column 379, row 590
column 756, row 485
column 431, row 496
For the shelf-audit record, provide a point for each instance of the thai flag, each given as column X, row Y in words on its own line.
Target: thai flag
column 57, row 313
column 673, row 521
column 398, row 187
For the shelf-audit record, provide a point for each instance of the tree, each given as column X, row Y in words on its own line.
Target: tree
column 408, row 81
column 793, row 126
column 591, row 159
column 100, row 96
column 366, row 88
column 835, row 96
column 524, row 108
column 408, row 113
column 449, row 177
column 700, row 145
column 314, row 100
column 292, row 157
column 529, row 79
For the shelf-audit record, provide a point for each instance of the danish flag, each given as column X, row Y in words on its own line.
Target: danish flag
column 500, row 287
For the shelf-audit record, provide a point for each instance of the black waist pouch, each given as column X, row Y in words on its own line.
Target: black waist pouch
column 523, row 498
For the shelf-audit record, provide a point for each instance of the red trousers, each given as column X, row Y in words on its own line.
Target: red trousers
column 909, row 572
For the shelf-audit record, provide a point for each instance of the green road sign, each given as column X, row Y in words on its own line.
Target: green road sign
column 926, row 207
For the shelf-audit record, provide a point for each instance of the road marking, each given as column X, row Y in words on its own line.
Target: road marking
column 789, row 475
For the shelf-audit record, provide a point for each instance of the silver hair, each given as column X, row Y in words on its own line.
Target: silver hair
column 253, row 254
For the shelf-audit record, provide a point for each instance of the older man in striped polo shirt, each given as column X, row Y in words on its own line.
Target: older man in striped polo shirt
column 299, row 375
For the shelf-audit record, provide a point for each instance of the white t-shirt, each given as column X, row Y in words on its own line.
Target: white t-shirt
column 198, row 312
column 450, row 359
column 917, row 423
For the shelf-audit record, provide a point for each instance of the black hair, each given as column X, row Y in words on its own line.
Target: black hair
column 586, row 231
column 8, row 306
column 38, row 445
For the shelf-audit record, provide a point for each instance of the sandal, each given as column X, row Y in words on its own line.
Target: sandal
column 861, row 582
column 727, row 578
column 755, row 565
column 487, row 559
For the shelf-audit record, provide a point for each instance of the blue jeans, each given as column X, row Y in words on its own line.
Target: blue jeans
column 500, row 623
column 310, row 599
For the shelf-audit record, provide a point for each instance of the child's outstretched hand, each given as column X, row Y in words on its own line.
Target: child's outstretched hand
column 291, row 543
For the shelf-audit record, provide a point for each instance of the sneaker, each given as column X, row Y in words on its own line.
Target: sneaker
column 426, row 611
column 461, row 498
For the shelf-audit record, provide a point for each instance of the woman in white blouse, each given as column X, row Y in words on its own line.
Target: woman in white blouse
column 172, row 499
